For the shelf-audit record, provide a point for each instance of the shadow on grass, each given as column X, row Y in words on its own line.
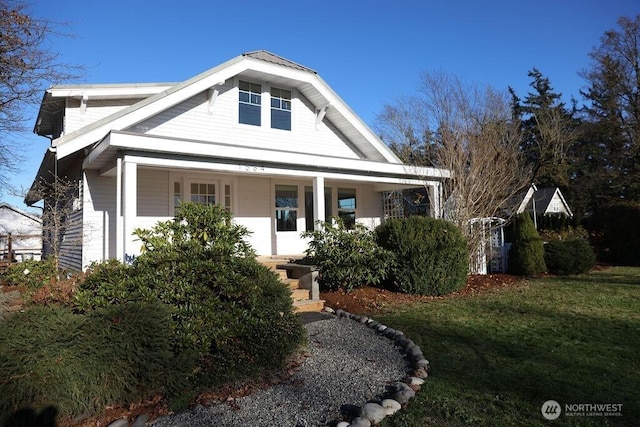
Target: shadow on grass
column 598, row 278
column 501, row 368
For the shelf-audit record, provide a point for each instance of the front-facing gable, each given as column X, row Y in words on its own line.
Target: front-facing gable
column 324, row 104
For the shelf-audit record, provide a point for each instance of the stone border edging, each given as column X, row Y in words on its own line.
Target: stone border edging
column 373, row 412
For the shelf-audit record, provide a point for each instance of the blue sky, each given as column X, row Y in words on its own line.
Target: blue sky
column 368, row 51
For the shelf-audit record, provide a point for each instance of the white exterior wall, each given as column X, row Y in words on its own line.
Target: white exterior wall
column 195, row 120
column 99, row 204
column 254, row 211
column 95, row 110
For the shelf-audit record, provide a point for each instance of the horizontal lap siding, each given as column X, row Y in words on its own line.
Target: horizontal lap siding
column 95, row 110
column 192, row 120
column 153, row 193
column 99, row 204
column 71, row 247
column 254, row 211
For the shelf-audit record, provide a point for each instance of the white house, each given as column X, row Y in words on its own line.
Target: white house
column 544, row 201
column 20, row 234
column 261, row 135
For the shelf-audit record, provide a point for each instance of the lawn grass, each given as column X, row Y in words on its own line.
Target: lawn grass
column 497, row 357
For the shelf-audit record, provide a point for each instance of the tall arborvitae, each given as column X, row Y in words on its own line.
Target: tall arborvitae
column 526, row 257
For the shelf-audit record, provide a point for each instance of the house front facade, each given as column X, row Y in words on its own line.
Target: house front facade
column 262, row 136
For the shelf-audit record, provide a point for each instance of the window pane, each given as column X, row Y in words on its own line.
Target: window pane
column 286, row 196
column 275, row 102
column 286, row 220
column 194, row 188
column 281, row 119
column 244, row 97
column 348, row 218
column 249, row 114
column 244, row 86
column 346, row 198
column 255, row 99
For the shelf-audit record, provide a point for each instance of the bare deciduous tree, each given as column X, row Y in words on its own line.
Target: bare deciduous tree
column 27, row 64
column 62, row 228
column 470, row 131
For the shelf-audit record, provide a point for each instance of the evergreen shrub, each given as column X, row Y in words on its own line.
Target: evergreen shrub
column 347, row 258
column 526, row 257
column 229, row 310
column 81, row 363
column 430, row 255
column 31, row 273
column 564, row 257
column 616, row 233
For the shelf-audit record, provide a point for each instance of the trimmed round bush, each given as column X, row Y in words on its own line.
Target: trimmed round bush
column 565, row 257
column 229, row 310
column 526, row 257
column 430, row 255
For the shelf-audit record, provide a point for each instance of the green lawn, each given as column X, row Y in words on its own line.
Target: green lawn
column 496, row 358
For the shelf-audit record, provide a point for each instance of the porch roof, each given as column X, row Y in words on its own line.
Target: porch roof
column 170, row 152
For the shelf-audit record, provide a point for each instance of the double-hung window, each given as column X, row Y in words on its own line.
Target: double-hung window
column 280, row 109
column 250, row 95
column 347, row 206
column 286, row 207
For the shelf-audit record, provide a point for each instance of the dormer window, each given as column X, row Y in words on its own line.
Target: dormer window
column 280, row 109
column 250, row 95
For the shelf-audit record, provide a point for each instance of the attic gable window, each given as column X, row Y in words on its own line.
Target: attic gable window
column 250, row 95
column 280, row 109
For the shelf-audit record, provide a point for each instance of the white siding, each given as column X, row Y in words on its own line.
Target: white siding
column 99, row 204
column 95, row 110
column 254, row 211
column 153, row 193
column 193, row 120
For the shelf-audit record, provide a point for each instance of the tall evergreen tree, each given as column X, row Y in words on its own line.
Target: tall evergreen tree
column 549, row 131
column 610, row 145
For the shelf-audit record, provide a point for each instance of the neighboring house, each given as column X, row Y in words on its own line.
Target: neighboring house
column 262, row 136
column 544, row 201
column 20, row 234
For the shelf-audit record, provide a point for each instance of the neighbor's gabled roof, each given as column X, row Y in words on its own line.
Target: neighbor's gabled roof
column 258, row 65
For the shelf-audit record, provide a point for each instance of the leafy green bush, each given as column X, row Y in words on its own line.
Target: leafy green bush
column 78, row 363
column 31, row 273
column 526, row 257
column 347, row 258
column 228, row 309
column 430, row 255
column 565, row 257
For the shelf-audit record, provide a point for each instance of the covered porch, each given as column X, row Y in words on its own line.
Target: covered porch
column 276, row 195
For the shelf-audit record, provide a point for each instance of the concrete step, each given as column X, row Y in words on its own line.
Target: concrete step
column 300, row 294
column 308, row 306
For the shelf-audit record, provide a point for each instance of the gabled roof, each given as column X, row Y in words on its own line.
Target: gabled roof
column 20, row 212
column 257, row 64
column 542, row 198
column 263, row 55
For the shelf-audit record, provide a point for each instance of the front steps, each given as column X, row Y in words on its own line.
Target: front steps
column 300, row 280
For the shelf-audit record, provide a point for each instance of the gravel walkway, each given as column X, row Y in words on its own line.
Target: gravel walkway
column 348, row 365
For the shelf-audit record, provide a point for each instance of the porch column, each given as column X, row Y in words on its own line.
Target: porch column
column 318, row 201
column 129, row 208
column 435, row 194
column 119, row 231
